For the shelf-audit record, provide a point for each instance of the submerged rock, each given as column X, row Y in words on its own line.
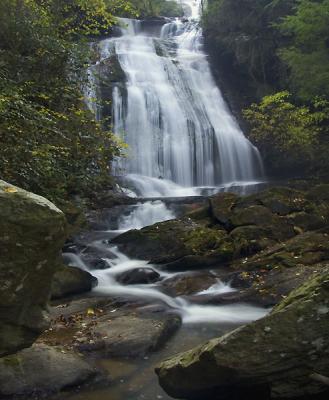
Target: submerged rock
column 71, row 280
column 42, row 370
column 184, row 285
column 138, row 276
column 277, row 357
column 32, row 233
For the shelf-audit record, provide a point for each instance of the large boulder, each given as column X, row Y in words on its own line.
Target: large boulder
column 282, row 356
column 42, row 370
column 229, row 227
column 171, row 241
column 32, row 232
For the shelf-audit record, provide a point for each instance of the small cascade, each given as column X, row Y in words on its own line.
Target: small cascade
column 145, row 214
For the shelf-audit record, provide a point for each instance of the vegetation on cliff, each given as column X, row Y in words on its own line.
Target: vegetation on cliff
column 50, row 142
column 278, row 50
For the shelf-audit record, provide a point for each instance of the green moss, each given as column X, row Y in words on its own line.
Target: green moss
column 206, row 242
column 310, row 289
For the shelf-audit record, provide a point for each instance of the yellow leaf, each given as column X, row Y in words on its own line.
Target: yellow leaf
column 90, row 311
column 10, row 190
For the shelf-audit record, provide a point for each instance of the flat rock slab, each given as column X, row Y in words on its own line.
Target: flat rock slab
column 133, row 336
column 42, row 369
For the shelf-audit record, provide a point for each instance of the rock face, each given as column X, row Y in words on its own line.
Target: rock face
column 71, row 280
column 32, row 232
column 282, row 356
column 41, row 370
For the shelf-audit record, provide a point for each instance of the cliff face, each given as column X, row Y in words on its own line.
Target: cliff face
column 242, row 41
column 32, row 233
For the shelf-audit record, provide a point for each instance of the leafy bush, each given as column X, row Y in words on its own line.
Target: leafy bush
column 50, row 142
column 293, row 139
column 307, row 54
column 151, row 8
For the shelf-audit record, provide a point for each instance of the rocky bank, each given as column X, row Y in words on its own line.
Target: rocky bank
column 265, row 245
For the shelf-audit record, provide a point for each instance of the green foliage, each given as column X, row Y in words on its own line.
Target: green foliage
column 307, row 54
column 151, row 8
column 50, row 142
column 292, row 138
column 243, row 31
column 279, row 46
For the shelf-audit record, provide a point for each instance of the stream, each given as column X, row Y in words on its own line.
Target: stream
column 182, row 142
column 135, row 379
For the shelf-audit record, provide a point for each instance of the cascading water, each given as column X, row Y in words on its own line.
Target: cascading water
column 171, row 113
column 181, row 137
column 141, row 215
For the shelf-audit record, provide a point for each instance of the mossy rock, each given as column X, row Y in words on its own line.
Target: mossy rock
column 302, row 221
column 71, row 280
column 279, row 200
column 221, row 206
column 275, row 357
column 169, row 241
column 319, row 193
column 262, row 217
column 33, row 232
column 251, row 239
column 306, row 249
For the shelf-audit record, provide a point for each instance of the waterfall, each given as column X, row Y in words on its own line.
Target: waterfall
column 171, row 113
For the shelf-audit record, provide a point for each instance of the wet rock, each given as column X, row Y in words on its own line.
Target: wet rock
column 183, row 285
column 71, row 280
column 138, row 276
column 132, row 335
column 153, row 25
column 94, row 262
column 41, row 370
column 190, row 263
column 32, row 233
column 221, row 206
column 273, row 358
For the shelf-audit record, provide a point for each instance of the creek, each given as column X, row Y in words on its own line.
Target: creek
column 182, row 141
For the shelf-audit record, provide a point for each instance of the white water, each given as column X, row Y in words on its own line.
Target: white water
column 171, row 113
column 143, row 215
column 183, row 141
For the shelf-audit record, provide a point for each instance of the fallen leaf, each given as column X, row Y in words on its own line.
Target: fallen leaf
column 10, row 189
